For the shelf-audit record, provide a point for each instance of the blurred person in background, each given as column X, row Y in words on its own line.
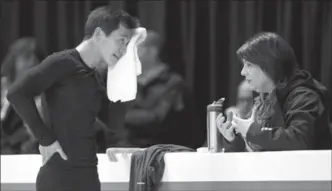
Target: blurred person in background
column 164, row 110
column 23, row 54
column 244, row 101
column 74, row 84
column 292, row 109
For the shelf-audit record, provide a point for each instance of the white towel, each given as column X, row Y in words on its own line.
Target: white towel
column 122, row 79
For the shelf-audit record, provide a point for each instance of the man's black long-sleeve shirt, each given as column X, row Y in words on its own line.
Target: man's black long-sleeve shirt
column 75, row 96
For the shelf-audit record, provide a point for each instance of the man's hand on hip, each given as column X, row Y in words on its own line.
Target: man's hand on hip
column 48, row 151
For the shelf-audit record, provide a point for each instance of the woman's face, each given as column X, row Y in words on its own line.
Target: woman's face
column 256, row 78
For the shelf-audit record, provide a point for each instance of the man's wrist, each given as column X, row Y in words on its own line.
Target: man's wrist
column 46, row 140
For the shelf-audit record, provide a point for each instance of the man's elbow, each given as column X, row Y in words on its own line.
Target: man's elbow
column 12, row 95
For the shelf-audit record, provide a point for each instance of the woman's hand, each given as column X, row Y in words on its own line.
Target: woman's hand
column 226, row 128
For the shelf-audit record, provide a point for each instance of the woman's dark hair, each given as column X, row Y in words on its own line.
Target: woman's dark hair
column 272, row 54
column 26, row 47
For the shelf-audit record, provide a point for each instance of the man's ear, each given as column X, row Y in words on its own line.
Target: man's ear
column 98, row 34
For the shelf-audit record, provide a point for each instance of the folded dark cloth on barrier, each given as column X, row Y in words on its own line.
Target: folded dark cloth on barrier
column 147, row 167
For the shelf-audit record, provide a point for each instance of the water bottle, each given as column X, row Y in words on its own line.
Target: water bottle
column 213, row 135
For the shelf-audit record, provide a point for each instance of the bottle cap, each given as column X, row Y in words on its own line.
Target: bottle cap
column 216, row 105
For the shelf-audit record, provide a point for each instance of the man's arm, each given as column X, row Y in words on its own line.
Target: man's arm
column 112, row 115
column 32, row 83
column 302, row 110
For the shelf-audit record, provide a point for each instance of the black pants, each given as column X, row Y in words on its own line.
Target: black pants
column 58, row 178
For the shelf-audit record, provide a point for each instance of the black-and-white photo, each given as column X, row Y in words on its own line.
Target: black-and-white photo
column 147, row 95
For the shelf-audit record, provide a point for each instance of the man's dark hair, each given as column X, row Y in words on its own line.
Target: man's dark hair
column 272, row 54
column 108, row 20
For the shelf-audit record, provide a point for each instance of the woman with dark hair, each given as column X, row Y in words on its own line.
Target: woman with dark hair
column 292, row 109
column 15, row 137
column 23, row 54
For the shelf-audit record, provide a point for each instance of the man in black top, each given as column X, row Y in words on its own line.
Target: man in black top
column 73, row 82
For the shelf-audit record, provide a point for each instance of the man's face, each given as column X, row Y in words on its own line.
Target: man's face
column 113, row 46
column 255, row 77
